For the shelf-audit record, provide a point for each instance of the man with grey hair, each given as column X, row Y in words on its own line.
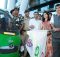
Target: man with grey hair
column 55, row 22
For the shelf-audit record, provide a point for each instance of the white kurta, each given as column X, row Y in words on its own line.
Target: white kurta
column 35, row 23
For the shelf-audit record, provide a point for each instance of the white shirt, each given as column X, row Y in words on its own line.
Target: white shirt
column 35, row 23
column 52, row 20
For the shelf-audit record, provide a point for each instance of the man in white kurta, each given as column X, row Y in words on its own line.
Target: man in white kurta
column 35, row 23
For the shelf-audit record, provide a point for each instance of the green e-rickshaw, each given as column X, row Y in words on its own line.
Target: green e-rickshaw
column 10, row 39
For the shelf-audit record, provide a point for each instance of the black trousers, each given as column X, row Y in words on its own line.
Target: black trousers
column 56, row 47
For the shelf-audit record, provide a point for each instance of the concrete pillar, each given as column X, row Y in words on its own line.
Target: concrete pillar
column 23, row 6
column 6, row 4
column 10, row 4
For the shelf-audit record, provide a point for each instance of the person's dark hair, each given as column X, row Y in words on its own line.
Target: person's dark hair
column 26, row 11
column 43, row 19
column 50, row 13
column 14, row 9
column 57, row 5
column 11, row 11
column 39, row 14
column 36, row 13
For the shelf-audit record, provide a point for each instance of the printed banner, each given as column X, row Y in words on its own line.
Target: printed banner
column 36, row 43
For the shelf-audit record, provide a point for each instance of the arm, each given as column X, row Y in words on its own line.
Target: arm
column 41, row 26
column 55, row 29
column 31, row 25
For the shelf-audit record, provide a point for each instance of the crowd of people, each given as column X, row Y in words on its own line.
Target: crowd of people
column 46, row 21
